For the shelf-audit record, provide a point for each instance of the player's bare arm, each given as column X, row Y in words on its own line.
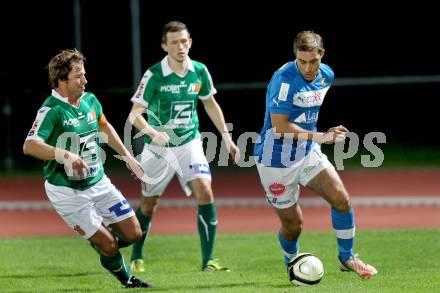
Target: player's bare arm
column 285, row 128
column 115, row 142
column 215, row 113
column 43, row 151
column 136, row 118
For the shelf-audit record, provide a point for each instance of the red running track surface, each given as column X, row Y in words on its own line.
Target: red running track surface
column 242, row 219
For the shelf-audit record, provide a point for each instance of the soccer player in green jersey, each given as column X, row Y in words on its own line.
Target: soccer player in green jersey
column 65, row 136
column 168, row 93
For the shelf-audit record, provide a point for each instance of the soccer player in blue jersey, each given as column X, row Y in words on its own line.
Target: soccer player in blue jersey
column 288, row 151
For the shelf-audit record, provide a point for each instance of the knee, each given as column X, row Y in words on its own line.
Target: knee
column 148, row 207
column 135, row 235
column 109, row 248
column 297, row 226
column 292, row 228
column 205, row 195
column 342, row 203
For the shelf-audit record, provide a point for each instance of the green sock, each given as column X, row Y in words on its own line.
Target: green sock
column 207, row 226
column 116, row 266
column 145, row 222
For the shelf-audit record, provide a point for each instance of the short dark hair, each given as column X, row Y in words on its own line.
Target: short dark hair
column 308, row 41
column 61, row 64
column 172, row 27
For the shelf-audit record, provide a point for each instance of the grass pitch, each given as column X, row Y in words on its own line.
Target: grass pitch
column 407, row 261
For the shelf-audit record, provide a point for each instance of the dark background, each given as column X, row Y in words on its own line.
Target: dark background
column 238, row 43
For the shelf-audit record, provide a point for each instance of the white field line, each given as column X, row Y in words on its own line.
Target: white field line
column 359, row 201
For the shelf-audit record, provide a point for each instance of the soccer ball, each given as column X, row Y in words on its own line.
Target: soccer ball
column 305, row 269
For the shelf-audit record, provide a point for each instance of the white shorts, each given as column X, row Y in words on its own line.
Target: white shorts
column 160, row 164
column 85, row 210
column 282, row 184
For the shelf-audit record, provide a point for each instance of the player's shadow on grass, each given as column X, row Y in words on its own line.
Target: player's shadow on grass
column 56, row 275
column 208, row 286
column 56, row 290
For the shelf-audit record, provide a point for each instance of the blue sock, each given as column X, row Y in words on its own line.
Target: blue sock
column 289, row 247
column 343, row 223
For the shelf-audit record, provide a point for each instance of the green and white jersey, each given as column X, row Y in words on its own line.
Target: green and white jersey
column 60, row 124
column 171, row 100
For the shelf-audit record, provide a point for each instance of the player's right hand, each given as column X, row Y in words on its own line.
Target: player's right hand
column 74, row 165
column 159, row 138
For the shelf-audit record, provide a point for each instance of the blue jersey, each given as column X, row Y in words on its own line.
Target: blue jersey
column 288, row 93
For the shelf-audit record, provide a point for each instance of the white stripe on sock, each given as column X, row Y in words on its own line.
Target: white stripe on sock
column 148, row 229
column 206, row 227
column 286, row 254
column 345, row 234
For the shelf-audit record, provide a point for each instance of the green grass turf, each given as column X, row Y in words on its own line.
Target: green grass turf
column 407, row 261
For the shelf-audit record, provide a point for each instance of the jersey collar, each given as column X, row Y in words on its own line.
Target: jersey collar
column 166, row 69
column 63, row 99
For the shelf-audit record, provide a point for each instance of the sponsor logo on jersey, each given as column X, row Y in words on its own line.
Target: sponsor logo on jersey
column 92, row 171
column 172, row 88
column 194, row 88
column 310, row 98
column 71, row 122
column 91, row 117
column 34, row 127
column 41, row 114
column 307, row 117
column 181, row 113
column 284, row 90
column 141, row 88
column 277, row 189
column 301, row 118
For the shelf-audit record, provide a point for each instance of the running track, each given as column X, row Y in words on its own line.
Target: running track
column 383, row 199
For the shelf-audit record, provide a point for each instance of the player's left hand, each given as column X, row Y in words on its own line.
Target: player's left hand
column 234, row 152
column 335, row 134
column 340, row 133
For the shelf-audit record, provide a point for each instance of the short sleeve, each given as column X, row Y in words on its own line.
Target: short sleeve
column 207, row 88
column 146, row 89
column 99, row 112
column 43, row 125
column 280, row 91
